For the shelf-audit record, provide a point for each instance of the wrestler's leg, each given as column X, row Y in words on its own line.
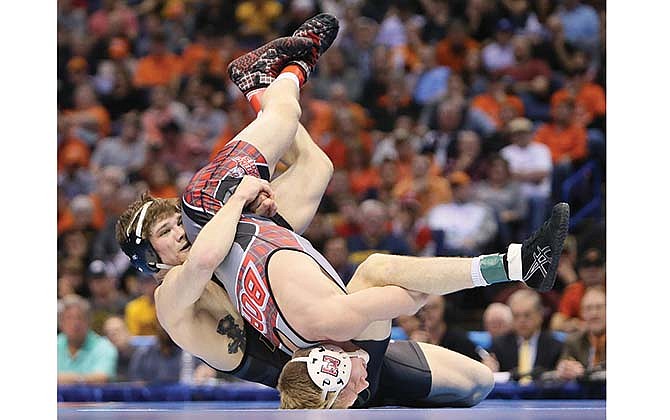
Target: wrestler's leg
column 436, row 275
column 298, row 191
column 274, row 130
column 457, row 380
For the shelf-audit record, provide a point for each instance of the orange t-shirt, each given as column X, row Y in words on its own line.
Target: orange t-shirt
column 571, row 300
column 590, row 101
column 491, row 107
column 155, row 70
column 361, row 180
column 98, row 113
column 571, row 141
column 439, row 191
column 195, row 54
column 446, row 57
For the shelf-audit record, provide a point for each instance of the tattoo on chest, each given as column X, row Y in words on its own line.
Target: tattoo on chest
column 231, row 330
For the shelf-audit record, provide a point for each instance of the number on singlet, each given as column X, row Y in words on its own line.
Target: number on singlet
column 253, row 298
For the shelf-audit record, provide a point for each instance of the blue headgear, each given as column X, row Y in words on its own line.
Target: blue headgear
column 140, row 251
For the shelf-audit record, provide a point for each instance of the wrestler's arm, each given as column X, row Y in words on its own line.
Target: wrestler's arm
column 183, row 285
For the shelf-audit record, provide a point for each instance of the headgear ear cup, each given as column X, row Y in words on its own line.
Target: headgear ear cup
column 329, row 367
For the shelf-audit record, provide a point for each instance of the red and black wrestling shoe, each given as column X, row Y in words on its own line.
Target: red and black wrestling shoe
column 258, row 68
column 322, row 29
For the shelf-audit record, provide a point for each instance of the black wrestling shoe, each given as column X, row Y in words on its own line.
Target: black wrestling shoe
column 258, row 68
column 322, row 29
column 541, row 252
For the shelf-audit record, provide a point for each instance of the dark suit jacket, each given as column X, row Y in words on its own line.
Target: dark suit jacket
column 506, row 351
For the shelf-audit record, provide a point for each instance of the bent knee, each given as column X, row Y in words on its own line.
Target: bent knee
column 373, row 271
column 481, row 384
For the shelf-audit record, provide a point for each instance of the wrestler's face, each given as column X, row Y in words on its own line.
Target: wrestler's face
column 357, row 383
column 169, row 240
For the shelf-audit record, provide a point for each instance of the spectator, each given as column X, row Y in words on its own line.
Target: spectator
column 124, row 96
column 336, row 252
column 127, row 151
column 585, row 352
column 469, row 157
column 162, row 112
column 496, row 104
column 160, row 67
column 70, row 271
column 567, row 272
column 567, row 141
column 503, row 194
column 158, row 363
column 591, row 271
column 530, row 164
column 454, row 48
column 589, row 97
column 428, row 189
column 106, row 300
column 90, row 120
column 256, row 19
column 528, row 350
column 431, row 84
column 140, row 313
column 374, row 234
column 467, row 227
column 523, row 19
column 434, row 329
column 83, row 356
column 581, row 24
column 334, row 69
column 116, row 331
column 498, row 320
column 531, row 79
column 499, row 54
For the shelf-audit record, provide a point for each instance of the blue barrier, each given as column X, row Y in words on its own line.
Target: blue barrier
column 244, row 391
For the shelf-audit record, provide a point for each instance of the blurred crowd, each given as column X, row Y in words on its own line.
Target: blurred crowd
column 453, row 127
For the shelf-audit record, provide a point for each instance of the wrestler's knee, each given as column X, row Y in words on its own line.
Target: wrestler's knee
column 373, row 271
column 480, row 383
column 284, row 106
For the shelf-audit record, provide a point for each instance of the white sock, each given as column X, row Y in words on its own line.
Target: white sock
column 476, row 275
column 290, row 76
column 514, row 262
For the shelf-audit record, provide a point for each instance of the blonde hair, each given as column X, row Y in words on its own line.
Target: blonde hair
column 298, row 391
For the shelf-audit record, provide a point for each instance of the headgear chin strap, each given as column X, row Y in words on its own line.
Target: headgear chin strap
column 329, row 367
column 142, row 254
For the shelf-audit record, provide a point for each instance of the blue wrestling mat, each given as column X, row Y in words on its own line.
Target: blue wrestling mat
column 261, row 410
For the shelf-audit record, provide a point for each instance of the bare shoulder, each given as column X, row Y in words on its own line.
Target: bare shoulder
column 166, row 297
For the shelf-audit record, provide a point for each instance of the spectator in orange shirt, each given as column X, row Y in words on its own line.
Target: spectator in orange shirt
column 362, row 176
column 90, row 120
column 428, row 189
column 589, row 97
column 496, row 104
column 160, row 67
column 453, row 50
column 346, row 137
column 591, row 271
column 203, row 50
column 567, row 141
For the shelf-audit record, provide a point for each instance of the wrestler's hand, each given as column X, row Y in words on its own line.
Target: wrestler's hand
column 264, row 205
column 250, row 188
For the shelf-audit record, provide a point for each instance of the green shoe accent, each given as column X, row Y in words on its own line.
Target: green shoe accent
column 492, row 269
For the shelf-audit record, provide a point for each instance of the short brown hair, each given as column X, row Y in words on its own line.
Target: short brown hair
column 162, row 207
column 297, row 390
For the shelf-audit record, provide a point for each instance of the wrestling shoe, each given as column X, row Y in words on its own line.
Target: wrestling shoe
column 258, row 68
column 322, row 29
column 541, row 252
